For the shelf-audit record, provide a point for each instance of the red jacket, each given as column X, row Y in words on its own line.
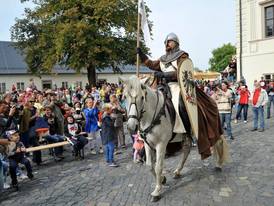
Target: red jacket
column 244, row 96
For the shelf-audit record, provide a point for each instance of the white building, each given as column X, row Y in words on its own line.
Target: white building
column 255, row 39
column 13, row 71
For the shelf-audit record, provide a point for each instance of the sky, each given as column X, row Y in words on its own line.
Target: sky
column 201, row 25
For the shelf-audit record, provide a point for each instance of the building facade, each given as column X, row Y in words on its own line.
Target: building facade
column 14, row 71
column 255, row 40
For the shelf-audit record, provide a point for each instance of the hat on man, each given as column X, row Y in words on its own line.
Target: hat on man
column 9, row 133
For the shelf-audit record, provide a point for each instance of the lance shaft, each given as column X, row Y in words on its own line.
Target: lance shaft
column 138, row 45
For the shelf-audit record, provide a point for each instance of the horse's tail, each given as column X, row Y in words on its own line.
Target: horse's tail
column 221, row 152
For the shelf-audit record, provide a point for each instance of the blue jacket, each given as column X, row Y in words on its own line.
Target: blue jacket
column 108, row 131
column 91, row 120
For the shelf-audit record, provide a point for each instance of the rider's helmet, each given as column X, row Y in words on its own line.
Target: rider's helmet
column 172, row 37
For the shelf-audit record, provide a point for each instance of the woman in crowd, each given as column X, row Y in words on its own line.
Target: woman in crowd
column 117, row 115
column 91, row 115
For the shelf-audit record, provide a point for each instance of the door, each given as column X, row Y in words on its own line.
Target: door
column 47, row 84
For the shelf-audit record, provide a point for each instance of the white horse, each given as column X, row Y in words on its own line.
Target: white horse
column 147, row 112
column 144, row 107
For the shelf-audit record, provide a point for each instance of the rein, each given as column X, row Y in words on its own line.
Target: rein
column 142, row 111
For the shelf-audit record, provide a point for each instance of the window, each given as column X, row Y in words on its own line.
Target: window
column 20, row 86
column 46, row 84
column 267, row 77
column 78, row 84
column 65, row 85
column 269, row 21
column 2, row 88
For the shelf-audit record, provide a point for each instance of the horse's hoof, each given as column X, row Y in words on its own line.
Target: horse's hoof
column 155, row 198
column 218, row 169
column 164, row 180
column 177, row 176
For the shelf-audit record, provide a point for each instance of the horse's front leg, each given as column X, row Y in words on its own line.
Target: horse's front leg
column 186, row 150
column 150, row 159
column 160, row 154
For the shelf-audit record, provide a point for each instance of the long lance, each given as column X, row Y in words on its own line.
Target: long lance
column 138, row 42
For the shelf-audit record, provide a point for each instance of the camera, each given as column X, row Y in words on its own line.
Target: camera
column 18, row 109
column 78, row 111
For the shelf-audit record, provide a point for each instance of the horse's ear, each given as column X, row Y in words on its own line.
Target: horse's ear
column 143, row 87
column 144, row 91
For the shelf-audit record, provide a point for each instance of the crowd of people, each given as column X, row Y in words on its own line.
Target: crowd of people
column 95, row 117
column 236, row 96
column 29, row 118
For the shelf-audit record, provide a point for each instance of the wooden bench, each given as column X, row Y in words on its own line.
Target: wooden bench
column 53, row 145
column 47, row 146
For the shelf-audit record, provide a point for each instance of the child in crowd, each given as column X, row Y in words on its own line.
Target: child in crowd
column 138, row 147
column 17, row 156
column 79, row 117
column 108, row 135
column 5, row 166
column 77, row 138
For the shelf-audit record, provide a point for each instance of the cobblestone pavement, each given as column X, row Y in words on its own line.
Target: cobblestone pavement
column 247, row 180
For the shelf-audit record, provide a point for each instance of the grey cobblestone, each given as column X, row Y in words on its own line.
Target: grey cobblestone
column 247, row 180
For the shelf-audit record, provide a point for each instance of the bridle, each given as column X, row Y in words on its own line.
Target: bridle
column 155, row 120
column 142, row 111
column 138, row 116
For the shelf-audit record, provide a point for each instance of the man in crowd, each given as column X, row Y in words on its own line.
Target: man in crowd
column 243, row 103
column 166, row 68
column 95, row 94
column 259, row 100
column 5, row 124
column 222, row 96
column 270, row 92
column 53, row 137
column 56, row 110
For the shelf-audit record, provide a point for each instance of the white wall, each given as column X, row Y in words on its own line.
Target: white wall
column 258, row 51
column 114, row 78
column 57, row 79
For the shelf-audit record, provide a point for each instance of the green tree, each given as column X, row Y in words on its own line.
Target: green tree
column 78, row 34
column 221, row 57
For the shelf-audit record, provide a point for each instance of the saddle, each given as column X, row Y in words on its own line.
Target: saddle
column 161, row 85
column 164, row 88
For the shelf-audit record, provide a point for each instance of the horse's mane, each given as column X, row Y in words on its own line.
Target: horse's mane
column 134, row 86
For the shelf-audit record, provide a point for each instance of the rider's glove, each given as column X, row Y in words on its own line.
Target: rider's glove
column 169, row 76
column 142, row 56
column 159, row 75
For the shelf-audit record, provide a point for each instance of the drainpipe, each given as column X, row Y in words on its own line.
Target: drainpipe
column 241, row 39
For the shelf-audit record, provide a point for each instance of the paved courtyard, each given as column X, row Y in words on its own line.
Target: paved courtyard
column 247, row 180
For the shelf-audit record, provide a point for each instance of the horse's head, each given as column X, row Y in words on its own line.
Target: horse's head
column 135, row 93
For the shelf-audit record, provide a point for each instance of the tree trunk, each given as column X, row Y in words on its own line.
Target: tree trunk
column 91, row 75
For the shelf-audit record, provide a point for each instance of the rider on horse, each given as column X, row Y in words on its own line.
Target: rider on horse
column 209, row 126
column 166, row 68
